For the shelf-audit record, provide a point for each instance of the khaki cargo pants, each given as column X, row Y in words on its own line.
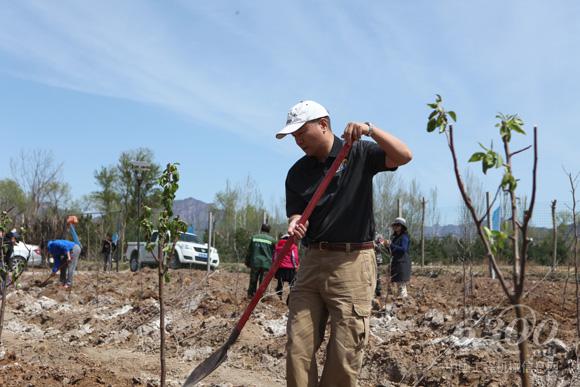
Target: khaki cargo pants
column 331, row 284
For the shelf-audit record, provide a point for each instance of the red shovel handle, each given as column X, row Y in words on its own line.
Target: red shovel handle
column 211, row 363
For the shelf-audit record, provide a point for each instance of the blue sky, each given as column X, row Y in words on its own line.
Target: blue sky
column 208, row 84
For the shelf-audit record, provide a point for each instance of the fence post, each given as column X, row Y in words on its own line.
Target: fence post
column 209, row 226
column 554, row 235
column 422, row 231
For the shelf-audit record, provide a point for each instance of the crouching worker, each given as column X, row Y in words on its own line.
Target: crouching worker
column 66, row 255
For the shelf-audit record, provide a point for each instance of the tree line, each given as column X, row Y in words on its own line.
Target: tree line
column 40, row 199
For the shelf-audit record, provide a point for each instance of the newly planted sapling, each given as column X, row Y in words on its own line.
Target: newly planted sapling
column 493, row 240
column 168, row 228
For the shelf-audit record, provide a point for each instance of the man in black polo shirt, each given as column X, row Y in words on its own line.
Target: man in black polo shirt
column 337, row 276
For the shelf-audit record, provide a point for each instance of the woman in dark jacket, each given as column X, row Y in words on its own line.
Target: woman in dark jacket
column 400, row 261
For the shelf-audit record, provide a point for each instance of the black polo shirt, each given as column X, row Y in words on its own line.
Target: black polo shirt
column 345, row 212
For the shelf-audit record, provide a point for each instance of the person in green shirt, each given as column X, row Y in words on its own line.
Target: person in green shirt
column 259, row 258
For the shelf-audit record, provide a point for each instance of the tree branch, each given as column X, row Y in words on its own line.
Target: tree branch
column 519, row 151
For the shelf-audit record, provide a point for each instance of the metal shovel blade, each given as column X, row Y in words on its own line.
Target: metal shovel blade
column 211, row 363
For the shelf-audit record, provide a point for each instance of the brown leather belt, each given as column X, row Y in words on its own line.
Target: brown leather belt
column 346, row 247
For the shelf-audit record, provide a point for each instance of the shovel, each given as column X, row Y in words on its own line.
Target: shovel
column 211, row 363
column 52, row 274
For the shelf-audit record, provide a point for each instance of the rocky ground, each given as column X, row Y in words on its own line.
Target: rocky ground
column 105, row 331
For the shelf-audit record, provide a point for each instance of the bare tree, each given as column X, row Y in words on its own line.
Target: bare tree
column 252, row 209
column 58, row 196
column 36, row 172
column 432, row 212
column 387, row 188
column 412, row 206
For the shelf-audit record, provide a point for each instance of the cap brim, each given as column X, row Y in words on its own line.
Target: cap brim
column 288, row 129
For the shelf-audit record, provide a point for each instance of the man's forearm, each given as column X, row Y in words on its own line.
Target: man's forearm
column 398, row 153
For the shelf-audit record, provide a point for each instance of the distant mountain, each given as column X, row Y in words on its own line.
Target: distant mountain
column 193, row 212
column 443, row 230
column 457, row 230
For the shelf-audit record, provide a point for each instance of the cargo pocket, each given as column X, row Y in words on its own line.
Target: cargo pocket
column 362, row 313
column 368, row 267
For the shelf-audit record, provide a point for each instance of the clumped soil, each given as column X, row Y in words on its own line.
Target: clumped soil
column 105, row 331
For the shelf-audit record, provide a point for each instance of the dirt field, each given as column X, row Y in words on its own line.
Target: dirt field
column 105, row 332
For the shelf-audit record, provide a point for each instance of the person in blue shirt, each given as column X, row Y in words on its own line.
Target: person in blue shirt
column 400, row 261
column 66, row 255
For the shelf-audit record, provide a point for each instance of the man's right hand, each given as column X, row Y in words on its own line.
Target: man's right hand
column 296, row 229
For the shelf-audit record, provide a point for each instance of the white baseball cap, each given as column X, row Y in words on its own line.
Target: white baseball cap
column 400, row 221
column 300, row 114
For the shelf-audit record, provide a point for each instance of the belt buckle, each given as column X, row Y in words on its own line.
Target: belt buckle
column 321, row 245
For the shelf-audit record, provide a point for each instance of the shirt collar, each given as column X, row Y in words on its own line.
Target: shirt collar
column 336, row 147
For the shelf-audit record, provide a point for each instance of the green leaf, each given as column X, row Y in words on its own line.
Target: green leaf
column 518, row 129
column 487, row 232
column 508, row 182
column 431, row 125
column 432, row 105
column 477, row 156
column 452, row 115
column 433, row 114
column 505, row 181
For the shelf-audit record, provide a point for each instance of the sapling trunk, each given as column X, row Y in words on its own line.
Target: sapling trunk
column 522, row 342
column 160, row 276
